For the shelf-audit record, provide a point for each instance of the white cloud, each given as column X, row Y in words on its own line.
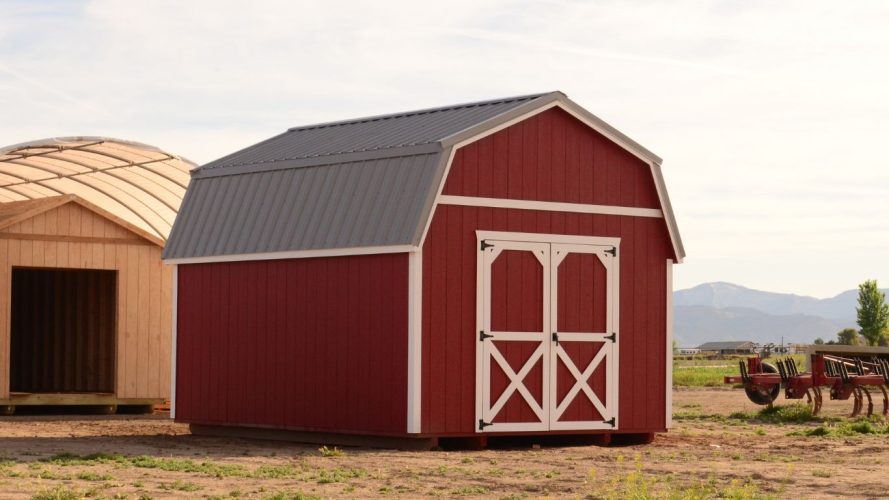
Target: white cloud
column 771, row 116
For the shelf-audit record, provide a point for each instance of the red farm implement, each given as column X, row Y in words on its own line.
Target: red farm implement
column 856, row 377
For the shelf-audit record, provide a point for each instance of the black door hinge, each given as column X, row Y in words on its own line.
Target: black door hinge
column 484, row 244
column 556, row 337
column 482, row 335
column 482, row 424
column 613, row 251
column 612, row 337
column 610, row 422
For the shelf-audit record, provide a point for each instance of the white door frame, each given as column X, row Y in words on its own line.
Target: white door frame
column 483, row 357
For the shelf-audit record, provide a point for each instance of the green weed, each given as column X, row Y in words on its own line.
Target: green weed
column 290, row 495
column 179, row 486
column 274, row 472
column 847, row 428
column 640, row 486
column 59, row 492
column 339, row 475
column 92, row 476
column 469, row 490
column 330, row 452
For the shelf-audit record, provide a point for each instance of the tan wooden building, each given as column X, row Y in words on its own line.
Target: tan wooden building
column 85, row 301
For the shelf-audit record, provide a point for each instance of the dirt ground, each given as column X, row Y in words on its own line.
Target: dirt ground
column 701, row 451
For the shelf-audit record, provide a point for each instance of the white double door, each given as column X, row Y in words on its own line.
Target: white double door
column 548, row 334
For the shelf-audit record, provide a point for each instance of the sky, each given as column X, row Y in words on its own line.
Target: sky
column 772, row 117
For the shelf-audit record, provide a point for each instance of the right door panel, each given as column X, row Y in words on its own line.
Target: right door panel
column 583, row 354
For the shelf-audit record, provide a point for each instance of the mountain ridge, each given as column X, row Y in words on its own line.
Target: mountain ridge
column 726, row 311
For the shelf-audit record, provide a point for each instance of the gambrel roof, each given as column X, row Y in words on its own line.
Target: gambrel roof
column 368, row 182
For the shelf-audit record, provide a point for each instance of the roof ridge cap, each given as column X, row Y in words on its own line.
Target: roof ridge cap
column 402, row 114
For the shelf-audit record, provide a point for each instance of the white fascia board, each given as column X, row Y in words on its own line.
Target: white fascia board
column 295, row 254
column 549, row 206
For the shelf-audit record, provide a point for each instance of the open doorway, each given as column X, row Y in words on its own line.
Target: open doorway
column 63, row 330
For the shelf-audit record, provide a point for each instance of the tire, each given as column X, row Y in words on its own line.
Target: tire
column 761, row 395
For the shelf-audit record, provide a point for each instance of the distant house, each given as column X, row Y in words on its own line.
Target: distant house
column 687, row 350
column 731, row 347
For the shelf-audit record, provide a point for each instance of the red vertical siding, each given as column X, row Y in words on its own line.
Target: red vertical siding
column 549, row 157
column 312, row 344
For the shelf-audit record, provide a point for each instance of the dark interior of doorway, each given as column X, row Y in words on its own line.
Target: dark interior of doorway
column 62, row 330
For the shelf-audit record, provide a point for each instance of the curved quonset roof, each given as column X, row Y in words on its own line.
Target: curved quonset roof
column 136, row 182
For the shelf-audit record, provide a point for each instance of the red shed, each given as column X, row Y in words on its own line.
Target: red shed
column 499, row 267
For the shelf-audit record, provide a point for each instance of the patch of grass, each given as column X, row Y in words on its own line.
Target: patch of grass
column 290, row 495
column 274, row 472
column 67, row 459
column 793, row 413
column 821, row 473
column 179, row 485
column 59, row 492
column 92, row 476
column 469, row 490
column 638, row 485
column 330, row 452
column 53, row 476
column 189, row 466
column 213, row 469
column 338, row 475
column 702, row 376
column 862, row 426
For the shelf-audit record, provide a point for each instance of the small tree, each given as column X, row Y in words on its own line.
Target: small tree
column 848, row 336
column 819, row 341
column 873, row 313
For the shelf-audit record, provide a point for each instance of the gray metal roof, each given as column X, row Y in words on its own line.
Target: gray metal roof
column 372, row 133
column 358, row 183
column 342, row 205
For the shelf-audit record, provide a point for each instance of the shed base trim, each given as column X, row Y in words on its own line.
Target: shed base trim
column 67, row 398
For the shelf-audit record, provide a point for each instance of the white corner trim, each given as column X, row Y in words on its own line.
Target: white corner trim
column 550, row 206
column 548, row 238
column 669, row 400
column 295, row 254
column 439, row 189
column 173, row 346
column 414, row 342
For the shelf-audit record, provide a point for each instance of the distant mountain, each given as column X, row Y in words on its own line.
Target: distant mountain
column 694, row 325
column 725, row 311
column 721, row 295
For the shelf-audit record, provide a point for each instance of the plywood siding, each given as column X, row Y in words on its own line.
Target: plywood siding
column 74, row 237
column 314, row 344
column 550, row 157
